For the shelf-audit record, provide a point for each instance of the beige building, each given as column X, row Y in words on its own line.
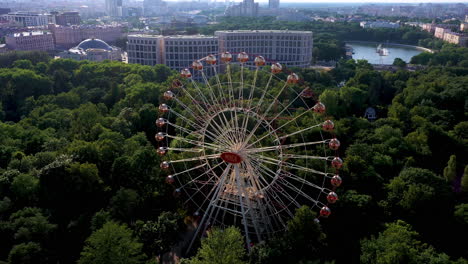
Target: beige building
column 456, row 38
column 291, row 48
column 36, row 40
column 69, row 36
column 440, row 31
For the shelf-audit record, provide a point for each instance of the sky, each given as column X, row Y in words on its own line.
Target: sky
column 377, row 1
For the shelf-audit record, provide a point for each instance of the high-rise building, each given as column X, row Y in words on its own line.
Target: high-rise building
column 114, row 8
column 246, row 8
column 273, row 3
column 291, row 48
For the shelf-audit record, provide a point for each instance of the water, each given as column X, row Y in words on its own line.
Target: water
column 367, row 52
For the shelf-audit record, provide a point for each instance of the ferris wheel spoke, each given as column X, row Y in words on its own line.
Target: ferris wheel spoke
column 281, row 147
column 204, row 157
column 292, row 156
column 299, row 191
column 197, row 143
column 211, row 204
column 218, row 101
column 289, row 165
column 213, row 179
column 265, row 113
column 188, row 121
column 190, row 169
column 241, row 202
column 280, row 127
column 196, row 116
column 303, row 181
column 193, row 150
column 299, row 131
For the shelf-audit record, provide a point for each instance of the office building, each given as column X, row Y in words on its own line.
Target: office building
column 114, row 8
column 69, row 36
column 291, row 48
column 273, row 3
column 36, row 40
column 246, row 8
column 28, row 19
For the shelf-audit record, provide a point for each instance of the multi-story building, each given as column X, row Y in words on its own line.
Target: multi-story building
column 176, row 52
column 180, row 51
column 114, row 8
column 144, row 49
column 246, row 8
column 28, row 19
column 464, row 26
column 69, row 36
column 441, row 31
column 67, row 18
column 37, row 40
column 456, row 38
column 4, row 11
column 291, row 48
column 273, row 3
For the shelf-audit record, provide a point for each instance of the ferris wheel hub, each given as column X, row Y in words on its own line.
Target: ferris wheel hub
column 231, row 157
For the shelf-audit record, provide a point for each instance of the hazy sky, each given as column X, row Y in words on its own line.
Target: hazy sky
column 375, row 1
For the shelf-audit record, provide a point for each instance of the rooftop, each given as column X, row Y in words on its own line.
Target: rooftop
column 93, row 44
column 32, row 33
column 265, row 31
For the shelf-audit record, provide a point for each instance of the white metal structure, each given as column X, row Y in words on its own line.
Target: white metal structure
column 243, row 153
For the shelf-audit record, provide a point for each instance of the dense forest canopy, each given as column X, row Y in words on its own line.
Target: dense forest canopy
column 80, row 178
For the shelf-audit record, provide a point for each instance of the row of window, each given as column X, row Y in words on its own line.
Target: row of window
column 265, row 37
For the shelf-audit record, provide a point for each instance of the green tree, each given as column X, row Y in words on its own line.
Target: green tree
column 450, row 172
column 159, row 236
column 30, row 224
column 23, row 64
column 26, row 253
column 399, row 63
column 461, row 213
column 221, row 246
column 25, row 187
column 112, row 244
column 398, row 243
column 464, row 180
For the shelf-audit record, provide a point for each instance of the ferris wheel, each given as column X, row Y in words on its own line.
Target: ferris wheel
column 244, row 147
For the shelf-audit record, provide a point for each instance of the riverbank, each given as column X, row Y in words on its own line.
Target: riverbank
column 390, row 44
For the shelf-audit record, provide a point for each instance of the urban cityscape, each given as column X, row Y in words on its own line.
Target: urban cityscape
column 256, row 132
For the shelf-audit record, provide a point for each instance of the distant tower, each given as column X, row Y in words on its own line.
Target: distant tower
column 114, row 8
column 273, row 3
